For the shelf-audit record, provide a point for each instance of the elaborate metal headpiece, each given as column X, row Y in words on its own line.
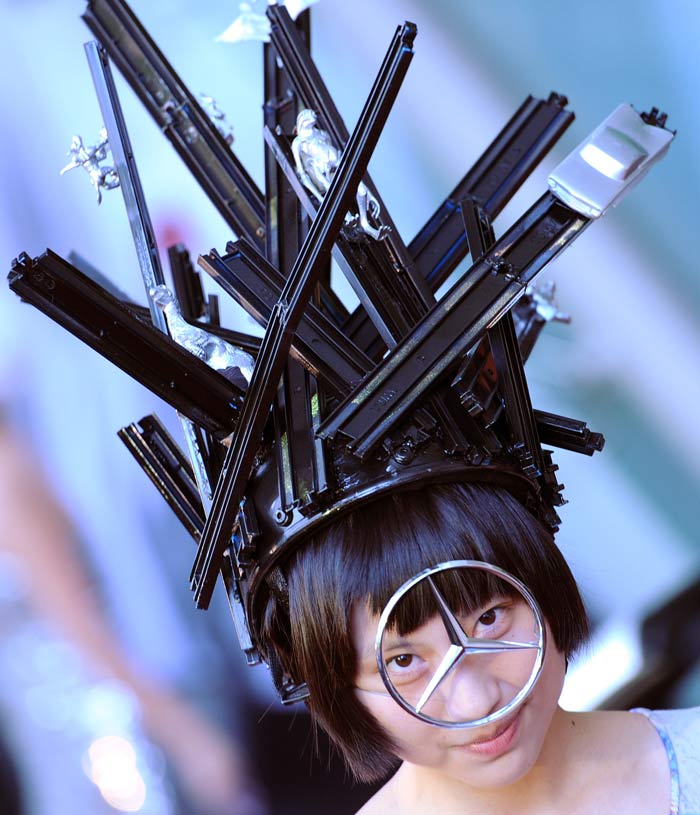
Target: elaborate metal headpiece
column 340, row 407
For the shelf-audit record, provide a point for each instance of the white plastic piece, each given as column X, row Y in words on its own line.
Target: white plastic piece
column 605, row 167
column 249, row 25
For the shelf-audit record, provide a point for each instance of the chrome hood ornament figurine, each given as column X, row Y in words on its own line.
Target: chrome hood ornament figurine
column 218, row 354
column 342, row 408
column 90, row 159
column 317, row 160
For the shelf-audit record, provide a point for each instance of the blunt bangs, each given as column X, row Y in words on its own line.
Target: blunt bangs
column 464, row 593
column 365, row 556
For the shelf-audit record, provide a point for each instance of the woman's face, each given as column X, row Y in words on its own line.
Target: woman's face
column 493, row 755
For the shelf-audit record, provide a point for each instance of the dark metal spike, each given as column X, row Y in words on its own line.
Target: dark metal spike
column 288, row 311
column 454, row 325
column 180, row 116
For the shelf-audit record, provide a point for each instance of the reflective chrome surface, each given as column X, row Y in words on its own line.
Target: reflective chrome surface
column 90, row 159
column 213, row 350
column 460, row 644
column 317, row 159
column 606, row 165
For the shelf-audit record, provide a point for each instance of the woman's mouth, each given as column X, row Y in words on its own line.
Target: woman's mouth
column 496, row 743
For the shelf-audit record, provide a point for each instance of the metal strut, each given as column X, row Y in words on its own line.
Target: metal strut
column 287, row 313
column 180, row 116
column 455, row 324
column 396, row 268
column 318, row 344
column 165, row 464
column 115, row 331
column 441, row 245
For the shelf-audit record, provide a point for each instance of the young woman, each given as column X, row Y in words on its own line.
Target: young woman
column 537, row 759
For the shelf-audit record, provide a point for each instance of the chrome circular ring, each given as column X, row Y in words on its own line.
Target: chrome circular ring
column 539, row 645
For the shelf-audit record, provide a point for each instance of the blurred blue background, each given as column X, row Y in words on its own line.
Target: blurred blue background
column 628, row 363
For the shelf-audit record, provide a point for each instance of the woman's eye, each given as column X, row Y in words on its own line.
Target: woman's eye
column 403, row 660
column 488, row 617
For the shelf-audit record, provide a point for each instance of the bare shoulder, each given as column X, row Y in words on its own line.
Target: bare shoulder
column 622, row 734
column 383, row 801
column 626, row 761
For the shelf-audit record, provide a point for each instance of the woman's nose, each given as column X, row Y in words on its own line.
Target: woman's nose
column 471, row 692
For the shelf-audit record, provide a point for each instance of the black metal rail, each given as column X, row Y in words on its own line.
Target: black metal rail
column 111, row 328
column 568, row 434
column 165, row 464
column 288, row 312
column 454, row 325
column 528, row 136
column 180, row 116
column 396, row 266
column 441, row 245
column 318, row 344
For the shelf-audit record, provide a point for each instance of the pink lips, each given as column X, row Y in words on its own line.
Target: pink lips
column 497, row 744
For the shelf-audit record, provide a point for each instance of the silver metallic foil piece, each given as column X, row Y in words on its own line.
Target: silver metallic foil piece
column 317, row 160
column 217, row 116
column 249, row 25
column 216, row 352
column 90, row 159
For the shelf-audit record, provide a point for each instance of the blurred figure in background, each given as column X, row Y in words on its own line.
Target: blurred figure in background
column 37, row 543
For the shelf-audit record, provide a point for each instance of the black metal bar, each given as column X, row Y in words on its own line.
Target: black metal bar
column 476, row 384
column 110, row 327
column 355, row 260
column 524, row 442
column 137, row 211
column 129, row 181
column 397, row 266
column 316, row 404
column 299, row 441
column 165, row 464
column 286, row 225
column 361, row 263
column 288, row 311
column 318, row 344
column 454, row 325
column 441, row 245
column 187, row 284
column 477, row 381
column 236, row 586
column 568, row 434
column 180, row 116
column 295, row 448
column 282, row 452
column 528, row 324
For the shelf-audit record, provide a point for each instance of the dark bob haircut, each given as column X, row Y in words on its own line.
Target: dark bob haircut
column 365, row 556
